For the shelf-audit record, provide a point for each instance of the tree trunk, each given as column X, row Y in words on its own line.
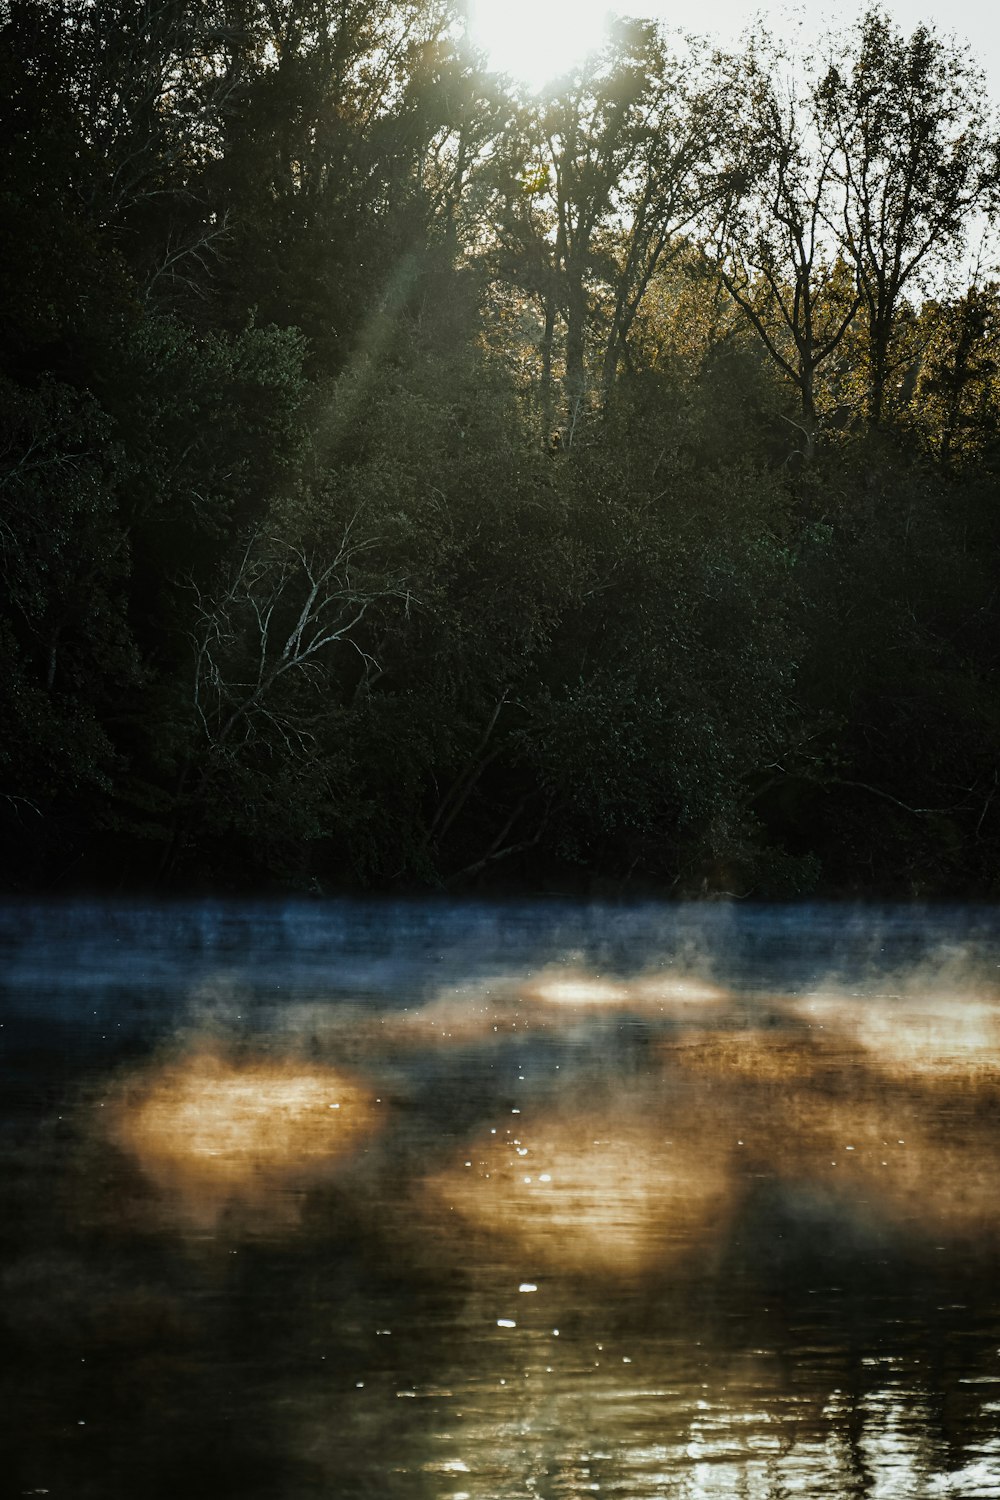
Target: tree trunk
column 576, row 319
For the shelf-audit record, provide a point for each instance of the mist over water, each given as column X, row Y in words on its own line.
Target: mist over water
column 527, row 1200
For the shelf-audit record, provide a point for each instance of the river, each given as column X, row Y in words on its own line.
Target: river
column 502, row 1202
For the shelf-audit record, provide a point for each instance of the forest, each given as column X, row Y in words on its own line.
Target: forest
column 412, row 482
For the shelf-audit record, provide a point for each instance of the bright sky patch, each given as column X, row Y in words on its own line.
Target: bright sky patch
column 537, row 40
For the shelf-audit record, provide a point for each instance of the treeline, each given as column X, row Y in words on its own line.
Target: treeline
column 407, row 482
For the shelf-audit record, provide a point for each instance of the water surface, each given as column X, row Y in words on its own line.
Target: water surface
column 500, row 1201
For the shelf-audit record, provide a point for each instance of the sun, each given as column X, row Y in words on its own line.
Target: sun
column 537, row 40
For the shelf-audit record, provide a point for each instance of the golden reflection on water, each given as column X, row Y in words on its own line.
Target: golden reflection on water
column 897, row 1146
column 846, row 1098
column 578, row 990
column 589, row 1192
column 900, row 1165
column 660, row 992
column 936, row 1032
column 559, row 1001
column 566, row 1234
column 209, row 1131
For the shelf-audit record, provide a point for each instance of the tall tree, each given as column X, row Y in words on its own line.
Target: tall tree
column 348, row 149
column 917, row 155
column 589, row 133
column 957, row 389
column 596, row 183
column 670, row 179
column 772, row 237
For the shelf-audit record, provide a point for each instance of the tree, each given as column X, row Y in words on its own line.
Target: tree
column 261, row 685
column 594, row 185
column 916, row 155
column 348, row 148
column 775, row 251
column 567, row 158
column 955, row 401
column 670, row 180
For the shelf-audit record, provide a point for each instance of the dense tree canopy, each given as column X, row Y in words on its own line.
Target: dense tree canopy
column 409, row 481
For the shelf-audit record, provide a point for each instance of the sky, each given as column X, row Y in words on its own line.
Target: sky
column 523, row 36
column 975, row 21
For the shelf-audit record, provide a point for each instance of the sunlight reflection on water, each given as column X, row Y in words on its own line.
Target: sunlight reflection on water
column 208, row 1131
column 432, row 1203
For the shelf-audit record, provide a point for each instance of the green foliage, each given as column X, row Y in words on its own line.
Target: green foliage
column 405, row 483
column 209, row 426
column 955, row 401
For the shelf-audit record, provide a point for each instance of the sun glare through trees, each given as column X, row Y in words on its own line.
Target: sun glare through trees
column 535, row 41
column 412, row 477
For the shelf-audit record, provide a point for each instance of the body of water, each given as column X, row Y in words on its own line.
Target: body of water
column 499, row 1202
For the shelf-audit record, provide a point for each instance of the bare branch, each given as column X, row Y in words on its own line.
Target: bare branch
column 241, row 654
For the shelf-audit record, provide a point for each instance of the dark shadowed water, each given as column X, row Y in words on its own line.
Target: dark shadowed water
column 499, row 1202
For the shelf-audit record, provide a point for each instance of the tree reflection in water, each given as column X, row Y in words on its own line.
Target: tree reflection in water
column 540, row 1228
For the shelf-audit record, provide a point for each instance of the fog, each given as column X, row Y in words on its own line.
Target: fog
column 496, row 1200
